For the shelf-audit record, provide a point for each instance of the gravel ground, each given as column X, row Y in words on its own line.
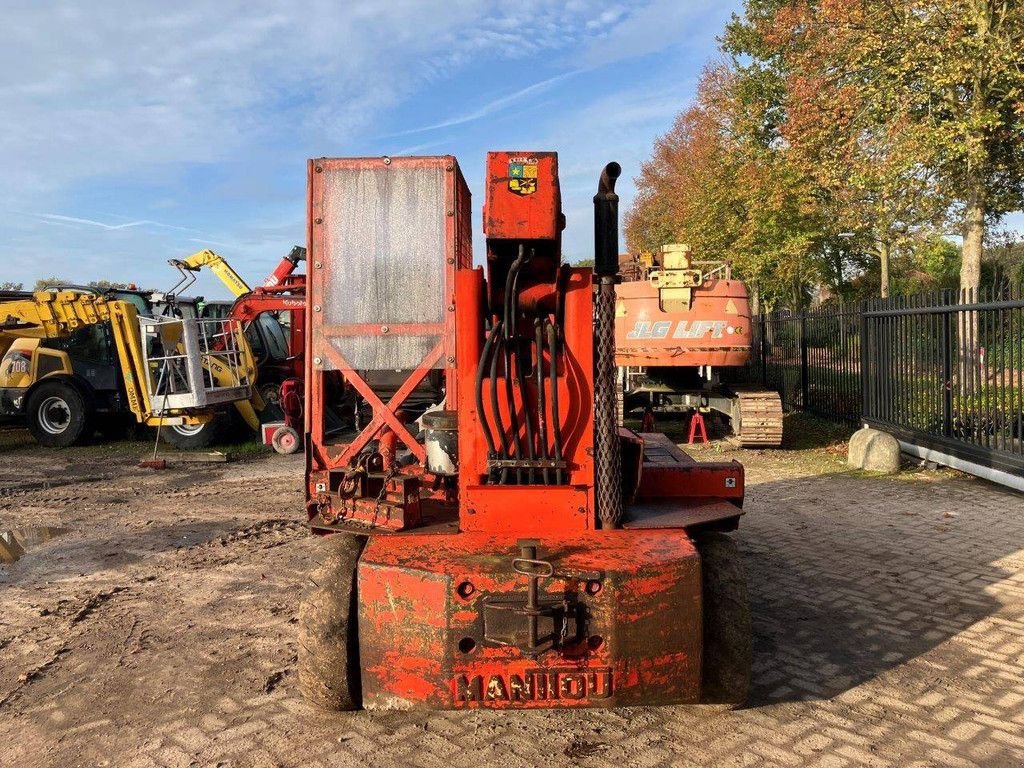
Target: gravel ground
column 158, row 628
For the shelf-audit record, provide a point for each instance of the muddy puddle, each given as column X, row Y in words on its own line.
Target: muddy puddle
column 14, row 544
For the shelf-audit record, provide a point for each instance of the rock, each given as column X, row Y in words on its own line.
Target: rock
column 874, row 451
column 883, row 454
column 858, row 447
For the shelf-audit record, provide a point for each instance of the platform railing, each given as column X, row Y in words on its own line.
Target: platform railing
column 195, row 363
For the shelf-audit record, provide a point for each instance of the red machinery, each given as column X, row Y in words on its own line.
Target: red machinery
column 511, row 547
column 678, row 322
column 284, row 272
column 282, row 291
column 281, row 381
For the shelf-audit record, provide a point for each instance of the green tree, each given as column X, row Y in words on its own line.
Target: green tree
column 11, row 286
column 933, row 90
column 936, row 265
column 1002, row 267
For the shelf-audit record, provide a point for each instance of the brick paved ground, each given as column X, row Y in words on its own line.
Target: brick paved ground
column 889, row 621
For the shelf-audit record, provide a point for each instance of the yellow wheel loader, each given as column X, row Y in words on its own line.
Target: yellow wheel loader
column 101, row 359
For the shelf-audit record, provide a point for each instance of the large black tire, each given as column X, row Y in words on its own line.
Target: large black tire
column 186, row 438
column 58, row 415
column 728, row 637
column 328, row 638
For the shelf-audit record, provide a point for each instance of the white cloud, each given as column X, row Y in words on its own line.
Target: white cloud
column 655, row 26
column 123, row 94
column 109, row 227
column 495, row 105
column 101, row 89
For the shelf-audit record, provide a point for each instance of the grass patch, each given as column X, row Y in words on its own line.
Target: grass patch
column 246, row 447
column 804, row 431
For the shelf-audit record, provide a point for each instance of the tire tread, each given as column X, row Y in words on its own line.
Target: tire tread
column 328, row 637
column 728, row 639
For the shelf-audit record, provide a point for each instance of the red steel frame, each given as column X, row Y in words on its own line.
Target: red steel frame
column 323, row 457
column 289, row 296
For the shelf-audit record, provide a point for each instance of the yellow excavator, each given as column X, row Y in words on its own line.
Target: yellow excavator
column 216, row 264
column 235, row 283
column 167, row 372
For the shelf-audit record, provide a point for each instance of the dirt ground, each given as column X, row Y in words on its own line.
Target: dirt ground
column 158, row 629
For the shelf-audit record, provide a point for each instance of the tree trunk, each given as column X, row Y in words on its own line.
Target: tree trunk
column 970, row 274
column 974, row 234
column 977, row 160
column 883, row 258
column 798, row 299
column 974, row 204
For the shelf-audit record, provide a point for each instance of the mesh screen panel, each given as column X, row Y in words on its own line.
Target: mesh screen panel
column 385, row 243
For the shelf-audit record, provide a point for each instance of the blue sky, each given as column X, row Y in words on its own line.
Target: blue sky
column 136, row 132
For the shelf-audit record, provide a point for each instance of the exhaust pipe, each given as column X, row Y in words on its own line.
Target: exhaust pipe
column 606, row 223
column 607, row 452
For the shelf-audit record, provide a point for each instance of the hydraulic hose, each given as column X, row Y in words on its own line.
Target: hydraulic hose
column 480, row 370
column 542, row 432
column 524, row 395
column 510, row 398
column 511, row 283
column 499, row 428
column 556, row 428
column 511, row 279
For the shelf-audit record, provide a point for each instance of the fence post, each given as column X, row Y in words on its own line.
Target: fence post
column 763, row 326
column 865, row 362
column 947, row 374
column 804, row 384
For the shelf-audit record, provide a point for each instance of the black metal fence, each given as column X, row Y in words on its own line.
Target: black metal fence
column 944, row 370
column 812, row 359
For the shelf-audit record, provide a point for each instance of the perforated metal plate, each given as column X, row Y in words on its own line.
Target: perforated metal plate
column 385, row 265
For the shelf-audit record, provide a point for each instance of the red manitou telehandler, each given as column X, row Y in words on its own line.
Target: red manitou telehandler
column 491, row 538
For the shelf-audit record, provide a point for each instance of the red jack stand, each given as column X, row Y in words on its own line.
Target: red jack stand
column 647, row 425
column 697, row 422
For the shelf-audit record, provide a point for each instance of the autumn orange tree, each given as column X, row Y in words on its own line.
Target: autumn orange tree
column 841, row 138
column 686, row 191
column 716, row 183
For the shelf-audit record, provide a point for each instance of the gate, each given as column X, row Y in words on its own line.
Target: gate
column 947, row 376
column 943, row 371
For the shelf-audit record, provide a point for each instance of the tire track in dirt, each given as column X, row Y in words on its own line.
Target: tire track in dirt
column 234, row 546
column 88, row 606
